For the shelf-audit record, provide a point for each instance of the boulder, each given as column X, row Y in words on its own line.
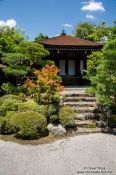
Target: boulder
column 100, row 124
column 114, row 130
column 57, row 130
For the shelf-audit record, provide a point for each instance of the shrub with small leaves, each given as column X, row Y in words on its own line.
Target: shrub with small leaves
column 30, row 125
column 5, row 125
column 67, row 117
column 48, row 110
column 8, row 103
column 27, row 106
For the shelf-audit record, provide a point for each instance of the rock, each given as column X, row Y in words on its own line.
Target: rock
column 106, row 130
column 100, row 124
column 114, row 130
column 57, row 130
column 80, row 117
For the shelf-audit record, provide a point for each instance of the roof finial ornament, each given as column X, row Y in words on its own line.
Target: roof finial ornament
column 63, row 32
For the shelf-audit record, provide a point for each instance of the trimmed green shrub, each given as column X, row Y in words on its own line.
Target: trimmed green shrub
column 27, row 106
column 54, row 119
column 67, row 116
column 6, row 97
column 30, row 125
column 48, row 110
column 112, row 121
column 22, row 97
column 5, row 126
column 8, row 88
column 8, row 103
column 56, row 98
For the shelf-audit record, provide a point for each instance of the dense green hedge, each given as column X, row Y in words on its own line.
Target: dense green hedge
column 67, row 116
column 27, row 106
column 26, row 125
column 8, row 103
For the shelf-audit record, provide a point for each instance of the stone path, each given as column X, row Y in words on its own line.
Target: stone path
column 84, row 155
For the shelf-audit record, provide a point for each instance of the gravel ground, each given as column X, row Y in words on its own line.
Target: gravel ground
column 93, row 154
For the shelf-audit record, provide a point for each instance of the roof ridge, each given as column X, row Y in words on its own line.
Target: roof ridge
column 68, row 40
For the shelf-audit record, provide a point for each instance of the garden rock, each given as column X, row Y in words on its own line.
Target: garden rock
column 57, row 130
column 114, row 130
column 100, row 124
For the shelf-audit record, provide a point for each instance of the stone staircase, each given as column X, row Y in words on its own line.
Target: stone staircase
column 84, row 104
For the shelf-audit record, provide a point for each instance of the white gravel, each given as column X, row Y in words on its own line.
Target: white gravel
column 93, row 154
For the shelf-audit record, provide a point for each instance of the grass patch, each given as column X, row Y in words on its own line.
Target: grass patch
column 93, row 125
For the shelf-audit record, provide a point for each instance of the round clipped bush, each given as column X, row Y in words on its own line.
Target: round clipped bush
column 56, row 98
column 8, row 103
column 30, row 125
column 67, row 117
column 27, row 106
column 6, row 97
column 5, row 125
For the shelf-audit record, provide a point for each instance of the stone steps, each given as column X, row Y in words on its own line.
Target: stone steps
column 74, row 99
column 87, row 116
column 77, row 94
column 87, row 109
column 84, row 104
column 85, row 123
column 81, row 104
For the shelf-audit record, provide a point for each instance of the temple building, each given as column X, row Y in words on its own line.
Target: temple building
column 70, row 55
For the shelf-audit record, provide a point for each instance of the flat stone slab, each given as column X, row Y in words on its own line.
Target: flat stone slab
column 72, row 156
column 88, row 130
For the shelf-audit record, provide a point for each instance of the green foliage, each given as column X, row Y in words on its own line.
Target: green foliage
column 5, row 126
column 30, row 125
column 104, row 82
column 67, row 116
column 54, row 119
column 8, row 103
column 113, row 31
column 92, row 63
column 6, row 97
column 20, row 57
column 34, row 52
column 84, row 29
column 27, row 106
column 7, row 88
column 56, row 98
column 40, row 37
column 112, row 121
column 90, row 31
column 48, row 110
column 9, row 38
column 100, row 33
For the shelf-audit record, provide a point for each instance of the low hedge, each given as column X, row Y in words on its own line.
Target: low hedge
column 5, row 125
column 26, row 125
column 27, row 106
column 30, row 125
column 8, row 103
column 48, row 110
column 67, row 117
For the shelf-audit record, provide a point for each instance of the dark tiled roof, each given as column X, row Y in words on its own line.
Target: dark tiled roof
column 65, row 40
